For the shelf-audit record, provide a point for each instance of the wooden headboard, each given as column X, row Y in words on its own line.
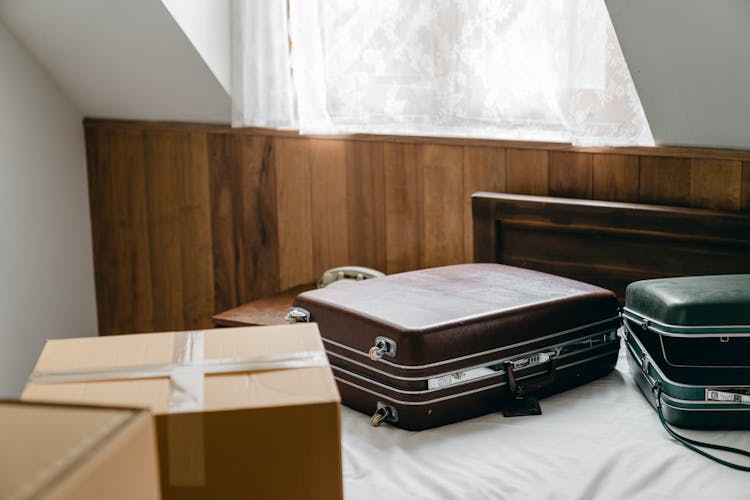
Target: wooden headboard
column 607, row 243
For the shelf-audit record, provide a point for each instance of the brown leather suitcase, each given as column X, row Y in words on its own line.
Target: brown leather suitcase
column 430, row 347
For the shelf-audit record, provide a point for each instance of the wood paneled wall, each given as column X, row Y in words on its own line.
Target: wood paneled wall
column 190, row 220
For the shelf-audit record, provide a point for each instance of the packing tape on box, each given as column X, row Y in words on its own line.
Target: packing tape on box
column 186, row 372
column 192, row 363
column 185, row 443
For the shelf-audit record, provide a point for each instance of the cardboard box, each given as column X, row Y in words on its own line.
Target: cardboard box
column 240, row 412
column 51, row 451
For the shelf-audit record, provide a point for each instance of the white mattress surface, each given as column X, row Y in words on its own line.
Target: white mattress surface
column 598, row 441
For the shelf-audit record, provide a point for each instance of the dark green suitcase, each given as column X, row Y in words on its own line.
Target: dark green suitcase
column 688, row 341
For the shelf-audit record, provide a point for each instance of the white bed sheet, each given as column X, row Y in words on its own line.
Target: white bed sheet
column 598, row 441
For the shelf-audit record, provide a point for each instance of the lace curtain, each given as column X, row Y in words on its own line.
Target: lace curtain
column 547, row 70
column 262, row 93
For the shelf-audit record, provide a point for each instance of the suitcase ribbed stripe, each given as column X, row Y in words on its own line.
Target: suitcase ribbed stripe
column 688, row 405
column 417, row 403
column 615, row 320
column 687, row 331
column 493, row 362
column 443, row 390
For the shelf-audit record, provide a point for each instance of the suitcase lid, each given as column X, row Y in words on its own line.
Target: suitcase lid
column 455, row 313
column 694, row 305
column 430, row 299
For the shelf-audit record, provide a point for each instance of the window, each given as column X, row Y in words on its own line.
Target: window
column 548, row 70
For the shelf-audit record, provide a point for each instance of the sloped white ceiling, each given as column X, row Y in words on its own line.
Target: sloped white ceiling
column 690, row 61
column 207, row 24
column 124, row 59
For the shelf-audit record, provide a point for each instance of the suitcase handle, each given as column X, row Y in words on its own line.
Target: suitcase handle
column 533, row 383
column 522, row 403
column 692, row 444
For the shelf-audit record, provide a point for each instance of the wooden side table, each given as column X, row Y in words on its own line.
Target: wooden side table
column 265, row 311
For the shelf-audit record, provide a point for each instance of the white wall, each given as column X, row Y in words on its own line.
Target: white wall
column 123, row 59
column 690, row 63
column 207, row 24
column 46, row 265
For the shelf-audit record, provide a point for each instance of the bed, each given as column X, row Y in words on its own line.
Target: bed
column 600, row 440
column 609, row 244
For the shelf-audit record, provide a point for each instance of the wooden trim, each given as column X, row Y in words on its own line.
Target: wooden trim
column 94, row 123
column 609, row 244
column 543, row 201
column 484, row 222
column 662, row 150
column 614, row 232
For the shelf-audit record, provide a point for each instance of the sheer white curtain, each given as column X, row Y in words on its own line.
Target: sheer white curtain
column 262, row 93
column 542, row 70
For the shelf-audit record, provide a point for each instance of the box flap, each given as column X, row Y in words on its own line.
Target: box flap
column 40, row 443
column 221, row 391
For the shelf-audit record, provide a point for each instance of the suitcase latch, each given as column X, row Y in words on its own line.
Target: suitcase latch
column 384, row 413
column 645, row 363
column 297, row 315
column 383, row 347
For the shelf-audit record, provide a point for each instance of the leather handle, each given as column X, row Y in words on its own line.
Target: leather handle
column 532, row 384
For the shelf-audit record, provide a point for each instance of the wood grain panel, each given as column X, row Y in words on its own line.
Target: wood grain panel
column 243, row 219
column 571, row 174
column 195, row 229
column 676, row 151
column 260, row 240
column 403, row 206
column 293, row 206
column 443, row 193
column 225, row 176
column 716, row 184
column 329, row 196
column 162, row 258
column 616, row 178
column 484, row 170
column 179, row 226
column 366, row 204
column 665, row 181
column 119, row 223
column 527, row 171
column 164, row 154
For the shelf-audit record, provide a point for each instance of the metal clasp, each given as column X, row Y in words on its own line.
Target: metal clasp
column 536, row 359
column 383, row 347
column 724, row 339
column 645, row 363
column 297, row 315
column 384, row 413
